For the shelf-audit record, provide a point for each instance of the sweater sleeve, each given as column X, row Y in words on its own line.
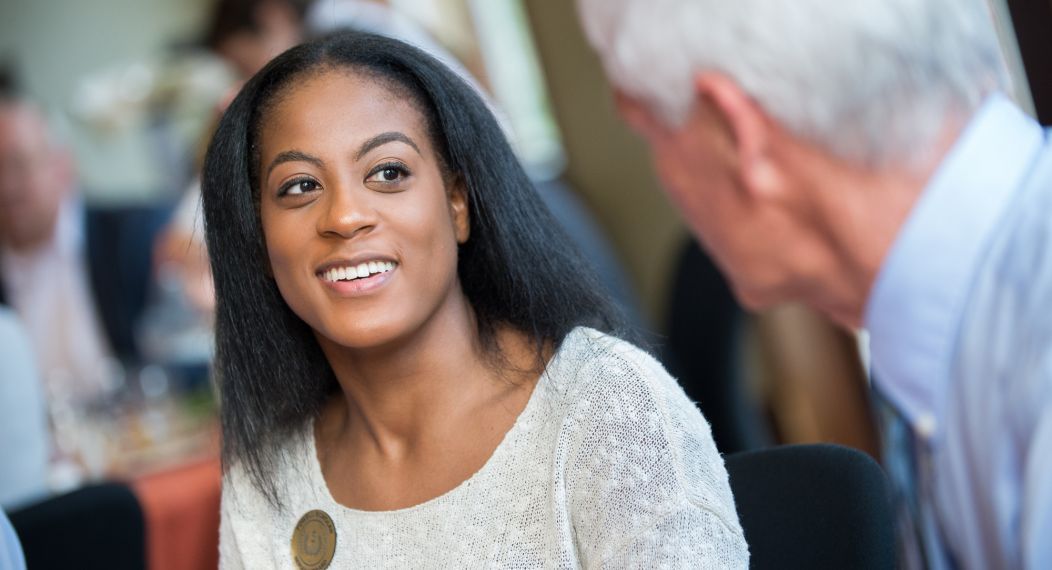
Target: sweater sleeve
column 644, row 482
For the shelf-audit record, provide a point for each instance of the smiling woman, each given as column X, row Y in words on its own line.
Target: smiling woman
column 416, row 369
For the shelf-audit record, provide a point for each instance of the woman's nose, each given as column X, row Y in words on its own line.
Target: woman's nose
column 347, row 213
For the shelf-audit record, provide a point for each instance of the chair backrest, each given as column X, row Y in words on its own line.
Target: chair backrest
column 99, row 526
column 813, row 506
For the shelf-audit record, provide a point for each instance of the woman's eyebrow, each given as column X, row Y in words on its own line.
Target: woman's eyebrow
column 384, row 138
column 293, row 156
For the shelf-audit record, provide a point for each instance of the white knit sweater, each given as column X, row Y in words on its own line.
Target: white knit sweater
column 609, row 465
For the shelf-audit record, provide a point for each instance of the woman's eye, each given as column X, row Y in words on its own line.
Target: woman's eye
column 387, row 173
column 297, row 187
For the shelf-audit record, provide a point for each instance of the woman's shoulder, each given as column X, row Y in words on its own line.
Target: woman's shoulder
column 614, row 395
column 635, row 452
column 596, row 368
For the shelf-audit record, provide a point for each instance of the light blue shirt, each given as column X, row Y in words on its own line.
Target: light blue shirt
column 10, row 549
column 24, row 441
column 951, row 337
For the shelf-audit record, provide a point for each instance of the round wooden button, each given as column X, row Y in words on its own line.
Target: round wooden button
column 314, row 541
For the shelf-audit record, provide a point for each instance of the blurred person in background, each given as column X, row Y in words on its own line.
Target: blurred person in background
column 43, row 271
column 860, row 157
column 249, row 33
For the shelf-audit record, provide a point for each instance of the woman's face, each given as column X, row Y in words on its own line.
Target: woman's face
column 361, row 231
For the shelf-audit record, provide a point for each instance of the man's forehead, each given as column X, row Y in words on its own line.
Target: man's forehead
column 22, row 122
column 19, row 110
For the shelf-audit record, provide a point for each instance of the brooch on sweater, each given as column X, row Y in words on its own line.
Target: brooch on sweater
column 314, row 541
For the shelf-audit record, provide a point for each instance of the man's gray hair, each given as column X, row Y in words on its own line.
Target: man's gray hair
column 870, row 80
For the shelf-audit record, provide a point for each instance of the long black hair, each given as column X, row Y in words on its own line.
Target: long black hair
column 517, row 268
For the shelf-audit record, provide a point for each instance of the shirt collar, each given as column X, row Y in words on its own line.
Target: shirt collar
column 915, row 307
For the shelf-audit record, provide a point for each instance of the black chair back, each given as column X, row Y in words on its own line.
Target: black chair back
column 100, row 526
column 813, row 506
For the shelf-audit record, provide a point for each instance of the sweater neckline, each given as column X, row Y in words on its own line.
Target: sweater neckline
column 522, row 423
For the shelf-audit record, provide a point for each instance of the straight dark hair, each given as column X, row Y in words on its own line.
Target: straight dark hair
column 517, row 269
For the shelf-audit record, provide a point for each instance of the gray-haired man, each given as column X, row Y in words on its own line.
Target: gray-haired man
column 858, row 157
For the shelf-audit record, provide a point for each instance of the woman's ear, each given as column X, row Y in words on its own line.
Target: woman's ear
column 459, row 212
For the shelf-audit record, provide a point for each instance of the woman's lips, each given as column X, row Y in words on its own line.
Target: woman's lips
column 358, row 279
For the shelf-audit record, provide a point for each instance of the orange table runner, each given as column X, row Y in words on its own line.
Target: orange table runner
column 181, row 510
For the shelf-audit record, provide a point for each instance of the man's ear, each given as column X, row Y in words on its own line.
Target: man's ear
column 459, row 210
column 746, row 126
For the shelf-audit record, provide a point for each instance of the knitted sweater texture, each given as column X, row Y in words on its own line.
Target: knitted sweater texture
column 608, row 466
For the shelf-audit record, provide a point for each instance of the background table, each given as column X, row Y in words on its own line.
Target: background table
column 181, row 510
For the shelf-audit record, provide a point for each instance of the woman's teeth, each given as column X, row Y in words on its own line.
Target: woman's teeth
column 359, row 271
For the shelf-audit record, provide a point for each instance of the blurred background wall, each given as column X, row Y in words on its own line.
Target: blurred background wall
column 94, row 35
column 98, row 67
column 605, row 161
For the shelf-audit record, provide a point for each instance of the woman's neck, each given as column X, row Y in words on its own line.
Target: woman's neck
column 401, row 395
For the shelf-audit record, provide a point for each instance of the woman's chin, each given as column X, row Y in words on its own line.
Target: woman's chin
column 362, row 338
